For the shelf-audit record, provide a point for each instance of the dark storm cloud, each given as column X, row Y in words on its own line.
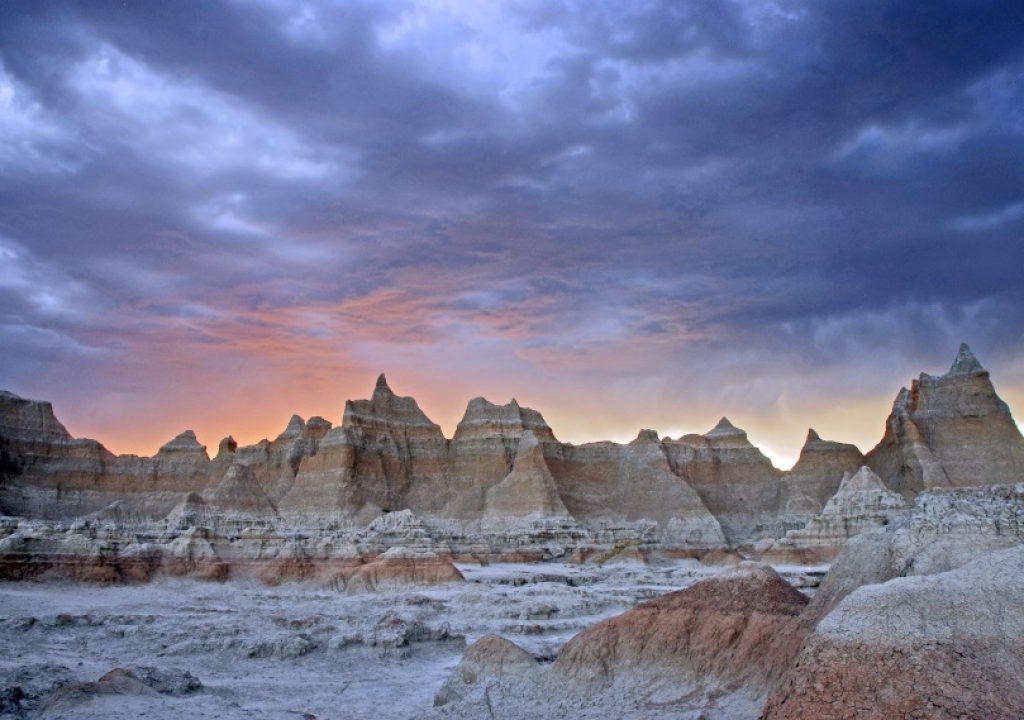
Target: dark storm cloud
column 555, row 179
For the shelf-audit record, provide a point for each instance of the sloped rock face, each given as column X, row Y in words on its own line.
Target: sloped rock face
column 732, row 630
column 491, row 663
column 49, row 474
column 398, row 568
column 699, row 491
column 275, row 463
column 949, row 431
column 946, row 529
column 324, row 486
column 734, row 479
column 607, row 481
column 240, row 493
column 862, row 503
column 481, row 455
column 40, row 462
column 815, row 478
column 529, row 489
column 717, row 647
column 396, row 448
column 949, row 645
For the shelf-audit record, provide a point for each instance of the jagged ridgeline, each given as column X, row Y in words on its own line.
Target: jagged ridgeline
column 505, row 467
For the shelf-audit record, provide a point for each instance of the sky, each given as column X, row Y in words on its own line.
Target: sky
column 215, row 214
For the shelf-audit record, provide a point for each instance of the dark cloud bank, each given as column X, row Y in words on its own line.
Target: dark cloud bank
column 665, row 210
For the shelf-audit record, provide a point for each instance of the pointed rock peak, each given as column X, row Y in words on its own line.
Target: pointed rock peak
column 228, row 444
column 295, row 427
column 812, row 436
column 965, row 362
column 514, row 403
column 183, row 441
column 382, row 385
column 724, row 428
column 647, row 436
column 863, row 479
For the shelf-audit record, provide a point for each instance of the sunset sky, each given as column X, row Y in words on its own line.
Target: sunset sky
column 623, row 214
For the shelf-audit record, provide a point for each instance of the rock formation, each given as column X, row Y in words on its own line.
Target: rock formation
column 529, row 489
column 607, row 481
column 944, row 646
column 397, row 448
column 505, row 464
column 734, row 479
column 815, row 478
column 861, row 503
column 949, row 431
column 240, row 492
column 718, row 646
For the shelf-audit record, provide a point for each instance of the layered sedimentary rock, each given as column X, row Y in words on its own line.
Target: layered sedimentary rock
column 945, row 529
column 481, row 455
column 607, row 481
column 736, row 482
column 698, row 491
column 815, row 478
column 949, row 431
column 862, row 503
column 397, row 448
column 529, row 489
column 241, row 492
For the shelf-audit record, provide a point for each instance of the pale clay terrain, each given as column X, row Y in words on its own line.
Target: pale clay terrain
column 281, row 652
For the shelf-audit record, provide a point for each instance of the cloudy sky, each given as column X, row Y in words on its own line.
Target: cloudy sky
column 642, row 214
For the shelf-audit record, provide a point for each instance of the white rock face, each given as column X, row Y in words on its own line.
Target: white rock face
column 861, row 504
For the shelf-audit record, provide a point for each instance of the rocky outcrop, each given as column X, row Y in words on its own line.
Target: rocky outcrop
column 862, row 503
column 397, row 448
column 945, row 529
column 949, row 431
column 396, row 569
column 735, row 481
column 718, row 647
column 481, row 455
column 325, row 487
column 607, row 482
column 689, row 494
column 240, row 493
column 529, row 489
column 731, row 631
column 945, row 646
column 491, row 664
column 814, row 478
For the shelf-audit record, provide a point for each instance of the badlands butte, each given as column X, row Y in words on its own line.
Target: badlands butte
column 920, row 615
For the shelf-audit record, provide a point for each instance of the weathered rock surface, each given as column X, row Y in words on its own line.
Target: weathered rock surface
column 491, row 664
column 529, row 489
column 815, row 478
column 949, row 431
column 945, row 646
column 717, row 647
column 607, row 481
column 734, row 479
column 398, row 568
column 862, row 503
column 946, row 529
column 240, row 492
column 504, row 474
